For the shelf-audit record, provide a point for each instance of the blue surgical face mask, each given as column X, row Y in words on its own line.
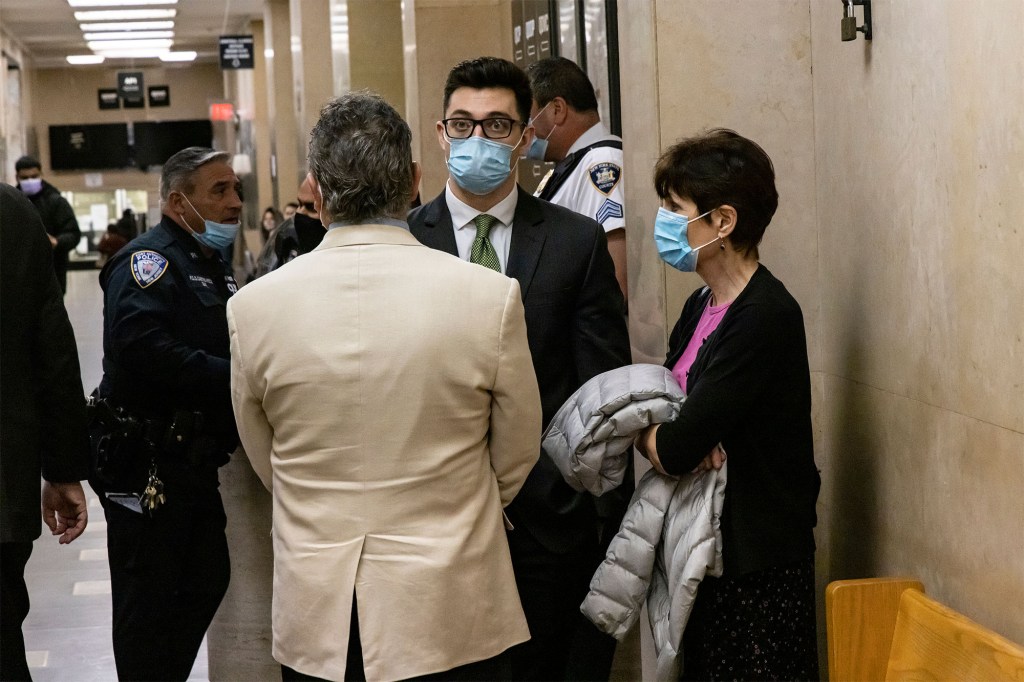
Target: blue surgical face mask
column 539, row 147
column 31, row 186
column 479, row 165
column 670, row 238
column 217, row 235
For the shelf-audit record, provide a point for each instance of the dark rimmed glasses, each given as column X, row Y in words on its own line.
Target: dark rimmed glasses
column 497, row 128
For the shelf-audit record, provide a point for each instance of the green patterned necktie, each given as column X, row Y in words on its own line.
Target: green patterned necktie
column 483, row 252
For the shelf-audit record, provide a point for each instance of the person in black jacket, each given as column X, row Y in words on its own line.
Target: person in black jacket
column 42, row 408
column 57, row 214
column 740, row 353
column 166, row 368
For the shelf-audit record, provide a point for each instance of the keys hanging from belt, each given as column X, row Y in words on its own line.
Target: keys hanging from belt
column 153, row 496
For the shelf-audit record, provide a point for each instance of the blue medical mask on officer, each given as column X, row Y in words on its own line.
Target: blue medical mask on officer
column 480, row 165
column 539, row 147
column 217, row 235
column 670, row 238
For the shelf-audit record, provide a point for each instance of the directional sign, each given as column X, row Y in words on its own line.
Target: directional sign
column 236, row 52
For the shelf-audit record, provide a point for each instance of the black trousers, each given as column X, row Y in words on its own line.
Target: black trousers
column 13, row 609
column 563, row 644
column 168, row 574
column 496, row 668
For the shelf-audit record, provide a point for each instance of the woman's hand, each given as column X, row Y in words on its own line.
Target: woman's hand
column 714, row 460
column 647, row 443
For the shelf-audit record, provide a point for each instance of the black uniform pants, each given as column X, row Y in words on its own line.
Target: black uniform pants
column 168, row 574
column 13, row 609
column 563, row 644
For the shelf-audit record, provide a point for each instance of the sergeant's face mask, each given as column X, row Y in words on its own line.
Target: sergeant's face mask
column 217, row 235
column 539, row 147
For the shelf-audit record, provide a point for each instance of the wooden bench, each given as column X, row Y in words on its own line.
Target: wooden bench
column 887, row 629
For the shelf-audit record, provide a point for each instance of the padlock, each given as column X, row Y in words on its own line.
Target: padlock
column 849, row 28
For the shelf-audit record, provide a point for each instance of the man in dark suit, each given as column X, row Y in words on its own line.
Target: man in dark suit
column 575, row 325
column 42, row 408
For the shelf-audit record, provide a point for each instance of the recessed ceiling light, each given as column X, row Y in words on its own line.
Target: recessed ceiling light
column 107, row 45
column 127, row 26
column 119, row 3
column 185, row 56
column 85, row 59
column 133, row 54
column 129, row 35
column 125, row 14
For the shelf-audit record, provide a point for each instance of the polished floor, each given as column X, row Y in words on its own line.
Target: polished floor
column 67, row 632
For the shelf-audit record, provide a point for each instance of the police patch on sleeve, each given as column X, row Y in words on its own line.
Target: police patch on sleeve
column 148, row 267
column 605, row 176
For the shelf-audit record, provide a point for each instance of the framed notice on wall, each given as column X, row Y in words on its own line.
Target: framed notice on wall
column 108, row 98
column 236, row 52
column 159, row 96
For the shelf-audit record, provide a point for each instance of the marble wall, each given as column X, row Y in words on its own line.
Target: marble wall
column 899, row 164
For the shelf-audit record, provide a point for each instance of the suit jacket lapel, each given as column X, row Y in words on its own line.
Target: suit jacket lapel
column 527, row 240
column 440, row 234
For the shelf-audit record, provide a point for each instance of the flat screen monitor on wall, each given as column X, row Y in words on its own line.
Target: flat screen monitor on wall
column 157, row 141
column 89, row 147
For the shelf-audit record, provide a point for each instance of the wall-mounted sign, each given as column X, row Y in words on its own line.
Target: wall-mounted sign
column 129, row 87
column 108, row 98
column 236, row 52
column 159, row 95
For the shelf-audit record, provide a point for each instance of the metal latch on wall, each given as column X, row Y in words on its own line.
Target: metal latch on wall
column 849, row 24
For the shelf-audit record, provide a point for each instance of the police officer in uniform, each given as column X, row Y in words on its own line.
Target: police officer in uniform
column 587, row 177
column 163, row 423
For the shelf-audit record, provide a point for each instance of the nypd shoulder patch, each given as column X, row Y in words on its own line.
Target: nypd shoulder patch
column 148, row 267
column 605, row 176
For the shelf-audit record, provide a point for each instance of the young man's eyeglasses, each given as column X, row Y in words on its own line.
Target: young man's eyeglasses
column 493, row 128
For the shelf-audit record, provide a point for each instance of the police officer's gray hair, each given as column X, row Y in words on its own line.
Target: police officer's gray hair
column 179, row 170
column 360, row 153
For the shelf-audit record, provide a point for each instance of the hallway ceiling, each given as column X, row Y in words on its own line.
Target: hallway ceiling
column 48, row 31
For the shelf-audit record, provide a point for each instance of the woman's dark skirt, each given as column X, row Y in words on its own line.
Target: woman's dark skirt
column 759, row 626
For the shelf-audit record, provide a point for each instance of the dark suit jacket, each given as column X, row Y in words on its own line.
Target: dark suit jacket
column 42, row 404
column 576, row 328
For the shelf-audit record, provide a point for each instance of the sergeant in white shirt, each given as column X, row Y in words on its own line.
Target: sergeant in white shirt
column 587, row 177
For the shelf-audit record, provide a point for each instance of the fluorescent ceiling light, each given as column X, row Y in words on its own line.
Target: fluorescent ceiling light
column 108, row 45
column 128, row 26
column 125, row 14
column 119, row 3
column 186, row 56
column 129, row 35
column 133, row 54
column 85, row 59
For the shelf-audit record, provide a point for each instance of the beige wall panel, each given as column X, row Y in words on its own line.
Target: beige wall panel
column 375, row 48
column 747, row 66
column 439, row 34
column 289, row 156
column 921, row 151
column 193, row 88
column 312, row 66
column 262, row 133
column 929, row 493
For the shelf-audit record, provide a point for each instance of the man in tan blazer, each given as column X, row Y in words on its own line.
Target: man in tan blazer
column 385, row 394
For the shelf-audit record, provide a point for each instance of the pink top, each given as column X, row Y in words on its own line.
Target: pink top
column 709, row 320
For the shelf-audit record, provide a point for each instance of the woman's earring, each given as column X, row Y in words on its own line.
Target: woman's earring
column 722, row 246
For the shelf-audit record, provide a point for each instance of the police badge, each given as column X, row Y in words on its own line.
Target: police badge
column 147, row 267
column 605, row 176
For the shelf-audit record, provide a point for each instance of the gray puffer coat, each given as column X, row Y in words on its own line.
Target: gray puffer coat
column 670, row 538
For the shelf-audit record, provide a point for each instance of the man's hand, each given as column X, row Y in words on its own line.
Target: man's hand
column 65, row 510
column 53, row 241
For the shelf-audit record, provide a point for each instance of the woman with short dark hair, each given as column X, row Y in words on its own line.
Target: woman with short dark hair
column 740, row 353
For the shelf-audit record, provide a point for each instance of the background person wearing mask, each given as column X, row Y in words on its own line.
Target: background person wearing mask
column 166, row 365
column 740, row 353
column 574, row 316
column 42, row 408
column 391, row 425
column 295, row 235
column 587, row 177
column 57, row 215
